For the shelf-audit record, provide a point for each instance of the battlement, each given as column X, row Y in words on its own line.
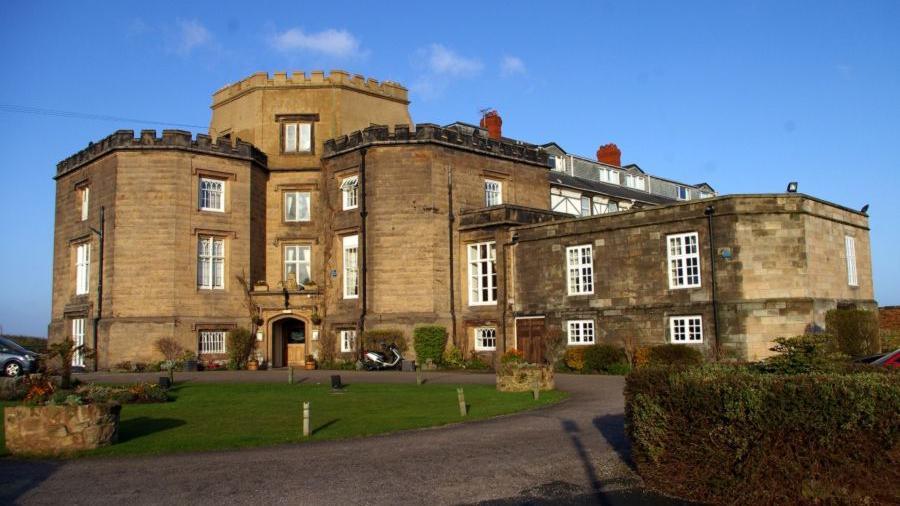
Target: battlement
column 171, row 139
column 431, row 133
column 316, row 79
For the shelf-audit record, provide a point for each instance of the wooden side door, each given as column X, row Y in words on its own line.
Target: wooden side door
column 530, row 338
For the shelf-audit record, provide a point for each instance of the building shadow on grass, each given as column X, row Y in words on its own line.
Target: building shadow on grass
column 134, row 428
column 612, row 428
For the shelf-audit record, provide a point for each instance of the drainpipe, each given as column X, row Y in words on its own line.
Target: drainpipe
column 710, row 210
column 450, row 220
column 362, row 242
column 99, row 284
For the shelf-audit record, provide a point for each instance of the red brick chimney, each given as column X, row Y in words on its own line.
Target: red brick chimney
column 609, row 154
column 493, row 123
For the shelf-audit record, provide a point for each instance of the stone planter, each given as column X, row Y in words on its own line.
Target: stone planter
column 57, row 430
column 523, row 377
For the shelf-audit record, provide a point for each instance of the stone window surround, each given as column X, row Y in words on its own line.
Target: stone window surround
column 493, row 190
column 349, row 186
column 684, row 329
column 83, row 267
column 309, row 118
column 212, row 338
column 579, row 328
column 484, row 281
column 284, row 265
column 347, row 338
column 580, row 266
column 683, row 257
column 284, row 214
column 350, row 242
column 213, row 237
column 225, row 177
column 850, row 254
column 483, row 334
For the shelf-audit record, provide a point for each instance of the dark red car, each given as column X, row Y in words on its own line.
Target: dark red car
column 891, row 359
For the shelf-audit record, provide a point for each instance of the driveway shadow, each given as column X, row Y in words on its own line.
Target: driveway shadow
column 20, row 476
column 612, row 428
column 135, row 428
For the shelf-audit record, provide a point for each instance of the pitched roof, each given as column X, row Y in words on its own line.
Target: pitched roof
column 609, row 189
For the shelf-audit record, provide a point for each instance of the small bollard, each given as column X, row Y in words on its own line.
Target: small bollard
column 536, row 390
column 305, row 419
column 290, row 375
column 418, row 375
column 172, row 374
column 462, row 401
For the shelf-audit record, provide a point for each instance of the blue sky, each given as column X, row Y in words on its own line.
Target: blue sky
column 744, row 95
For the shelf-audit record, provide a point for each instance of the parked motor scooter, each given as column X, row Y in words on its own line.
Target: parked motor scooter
column 390, row 358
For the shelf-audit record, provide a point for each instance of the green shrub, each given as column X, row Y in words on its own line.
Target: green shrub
column 240, row 344
column 602, row 357
column 429, row 342
column 855, row 331
column 475, row 363
column 453, row 358
column 803, row 354
column 378, row 339
column 674, row 354
column 727, row 435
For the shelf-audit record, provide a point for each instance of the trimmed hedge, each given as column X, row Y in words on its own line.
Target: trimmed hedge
column 855, row 331
column 726, row 435
column 604, row 358
column 429, row 341
column 377, row 339
column 674, row 354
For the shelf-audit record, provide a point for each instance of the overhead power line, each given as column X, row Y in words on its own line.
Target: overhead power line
column 81, row 115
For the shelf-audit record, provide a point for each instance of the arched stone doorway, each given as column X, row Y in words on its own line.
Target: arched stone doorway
column 289, row 341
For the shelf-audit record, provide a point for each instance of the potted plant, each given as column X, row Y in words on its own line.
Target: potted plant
column 189, row 361
column 310, row 362
column 315, row 318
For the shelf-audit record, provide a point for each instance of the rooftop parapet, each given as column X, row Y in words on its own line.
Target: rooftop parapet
column 171, row 139
column 431, row 133
column 316, row 79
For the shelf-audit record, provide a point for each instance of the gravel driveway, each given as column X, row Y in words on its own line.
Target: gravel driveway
column 574, row 452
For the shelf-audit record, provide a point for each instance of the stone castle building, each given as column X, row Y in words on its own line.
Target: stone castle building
column 314, row 209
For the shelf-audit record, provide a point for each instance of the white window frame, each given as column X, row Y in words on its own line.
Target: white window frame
column 585, row 206
column 83, row 268
column 680, row 261
column 350, row 192
column 298, row 262
column 493, row 192
column 78, row 340
column 682, row 193
column 686, row 329
column 484, row 335
column 211, row 195
column 581, row 332
column 351, row 266
column 298, row 214
column 85, row 201
column 348, row 340
column 297, row 136
column 482, row 273
column 212, row 341
column 210, row 262
column 850, row 250
column 580, row 273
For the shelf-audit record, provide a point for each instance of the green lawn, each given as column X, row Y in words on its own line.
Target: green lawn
column 227, row 416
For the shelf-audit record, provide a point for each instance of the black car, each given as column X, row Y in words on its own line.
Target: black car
column 15, row 359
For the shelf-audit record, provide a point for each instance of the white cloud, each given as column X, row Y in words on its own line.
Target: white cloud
column 511, row 65
column 337, row 43
column 190, row 35
column 444, row 61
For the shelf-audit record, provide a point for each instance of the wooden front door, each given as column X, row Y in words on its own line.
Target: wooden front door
column 530, row 338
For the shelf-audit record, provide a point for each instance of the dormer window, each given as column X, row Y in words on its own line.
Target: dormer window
column 682, row 193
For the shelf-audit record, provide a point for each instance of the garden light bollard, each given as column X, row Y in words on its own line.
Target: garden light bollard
column 536, row 389
column 418, row 375
column 290, row 375
column 305, row 419
column 462, row 401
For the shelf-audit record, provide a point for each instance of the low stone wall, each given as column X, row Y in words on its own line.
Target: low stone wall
column 55, row 430
column 522, row 378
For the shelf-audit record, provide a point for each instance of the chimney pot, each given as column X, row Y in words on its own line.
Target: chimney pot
column 493, row 123
column 609, row 154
